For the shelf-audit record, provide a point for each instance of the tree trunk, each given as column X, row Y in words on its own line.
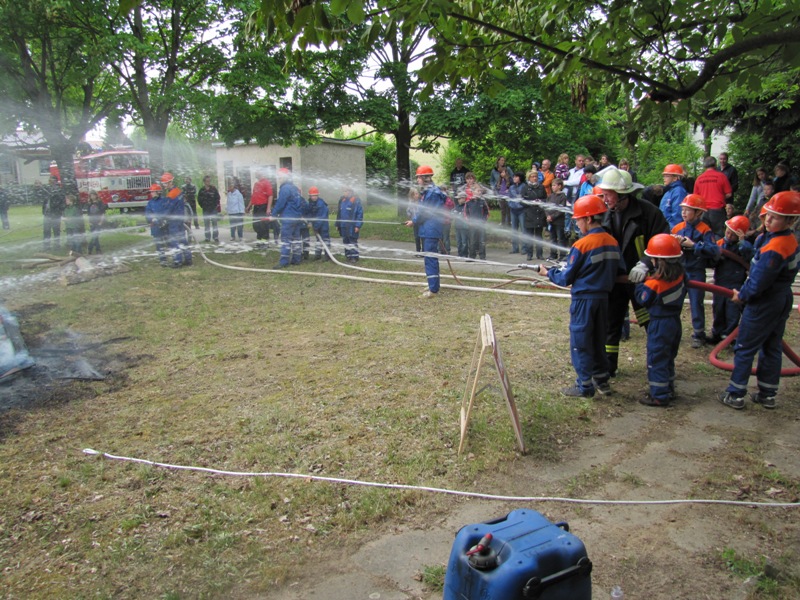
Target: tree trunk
column 62, row 151
column 402, row 139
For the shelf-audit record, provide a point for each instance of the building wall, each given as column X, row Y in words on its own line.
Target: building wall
column 329, row 165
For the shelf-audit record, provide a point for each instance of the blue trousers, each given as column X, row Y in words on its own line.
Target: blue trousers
column 431, row 245
column 588, row 320
column 517, row 229
column 350, row 241
column 663, row 341
column 760, row 332
column 325, row 233
column 462, row 239
column 696, row 298
column 291, row 244
column 726, row 316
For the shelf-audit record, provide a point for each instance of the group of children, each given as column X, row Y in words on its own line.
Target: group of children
column 759, row 276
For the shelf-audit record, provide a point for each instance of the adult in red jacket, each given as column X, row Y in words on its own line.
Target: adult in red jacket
column 716, row 190
column 261, row 206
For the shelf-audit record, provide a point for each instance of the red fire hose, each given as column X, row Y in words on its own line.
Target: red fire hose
column 714, row 356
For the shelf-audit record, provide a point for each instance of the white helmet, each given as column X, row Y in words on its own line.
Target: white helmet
column 617, row 180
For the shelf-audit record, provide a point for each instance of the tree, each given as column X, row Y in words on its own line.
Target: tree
column 53, row 61
column 170, row 55
column 660, row 52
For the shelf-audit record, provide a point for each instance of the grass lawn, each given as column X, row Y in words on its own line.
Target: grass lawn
column 249, row 372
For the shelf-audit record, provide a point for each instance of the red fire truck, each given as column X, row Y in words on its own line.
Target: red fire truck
column 120, row 177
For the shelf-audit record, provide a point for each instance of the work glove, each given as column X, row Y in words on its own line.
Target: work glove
column 638, row 273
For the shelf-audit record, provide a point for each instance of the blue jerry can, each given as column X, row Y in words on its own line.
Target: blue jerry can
column 521, row 555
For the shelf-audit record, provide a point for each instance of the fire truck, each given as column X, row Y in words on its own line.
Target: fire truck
column 120, row 177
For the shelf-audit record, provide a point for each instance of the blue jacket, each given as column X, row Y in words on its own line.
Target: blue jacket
column 670, row 204
column 773, row 268
column 729, row 272
column 290, row 204
column 175, row 212
column 592, row 265
column 430, row 213
column 350, row 215
column 155, row 213
column 705, row 248
column 317, row 213
column 661, row 298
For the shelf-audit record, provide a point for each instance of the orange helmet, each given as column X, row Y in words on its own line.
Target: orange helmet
column 155, row 188
column 313, row 191
column 694, row 201
column 738, row 224
column 167, row 177
column 663, row 245
column 598, row 191
column 284, row 172
column 785, row 204
column 674, row 170
column 424, row 170
column 588, row 206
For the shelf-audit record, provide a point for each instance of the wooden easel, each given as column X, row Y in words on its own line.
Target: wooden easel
column 487, row 342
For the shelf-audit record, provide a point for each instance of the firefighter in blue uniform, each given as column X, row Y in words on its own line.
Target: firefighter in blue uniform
column 317, row 214
column 155, row 213
column 730, row 272
column 767, row 298
column 662, row 294
column 176, row 215
column 290, row 208
column 349, row 219
column 593, row 264
column 429, row 217
column 699, row 248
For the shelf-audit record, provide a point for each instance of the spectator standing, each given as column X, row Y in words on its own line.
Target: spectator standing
column 52, row 211
column 428, row 218
column 757, row 190
column 767, row 298
column 261, row 206
column 190, row 198
column 573, row 181
column 674, row 193
column 547, row 176
column 624, row 165
column 517, row 212
column 501, row 192
column 476, row 214
column 633, row 223
column 5, row 202
column 495, row 174
column 74, row 225
column 730, row 172
column 349, row 219
column 458, row 176
column 556, row 218
column 235, row 208
column 535, row 218
column 209, row 200
column 97, row 217
column 783, row 180
column 562, row 166
column 447, row 221
column 715, row 189
column 462, row 229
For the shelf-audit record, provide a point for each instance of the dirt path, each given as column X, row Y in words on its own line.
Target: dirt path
column 668, row 552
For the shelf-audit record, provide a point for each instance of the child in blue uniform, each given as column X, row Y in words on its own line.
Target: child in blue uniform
column 767, row 298
column 317, row 215
column 592, row 267
column 429, row 216
column 730, row 272
column 698, row 245
column 662, row 294
column 349, row 219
